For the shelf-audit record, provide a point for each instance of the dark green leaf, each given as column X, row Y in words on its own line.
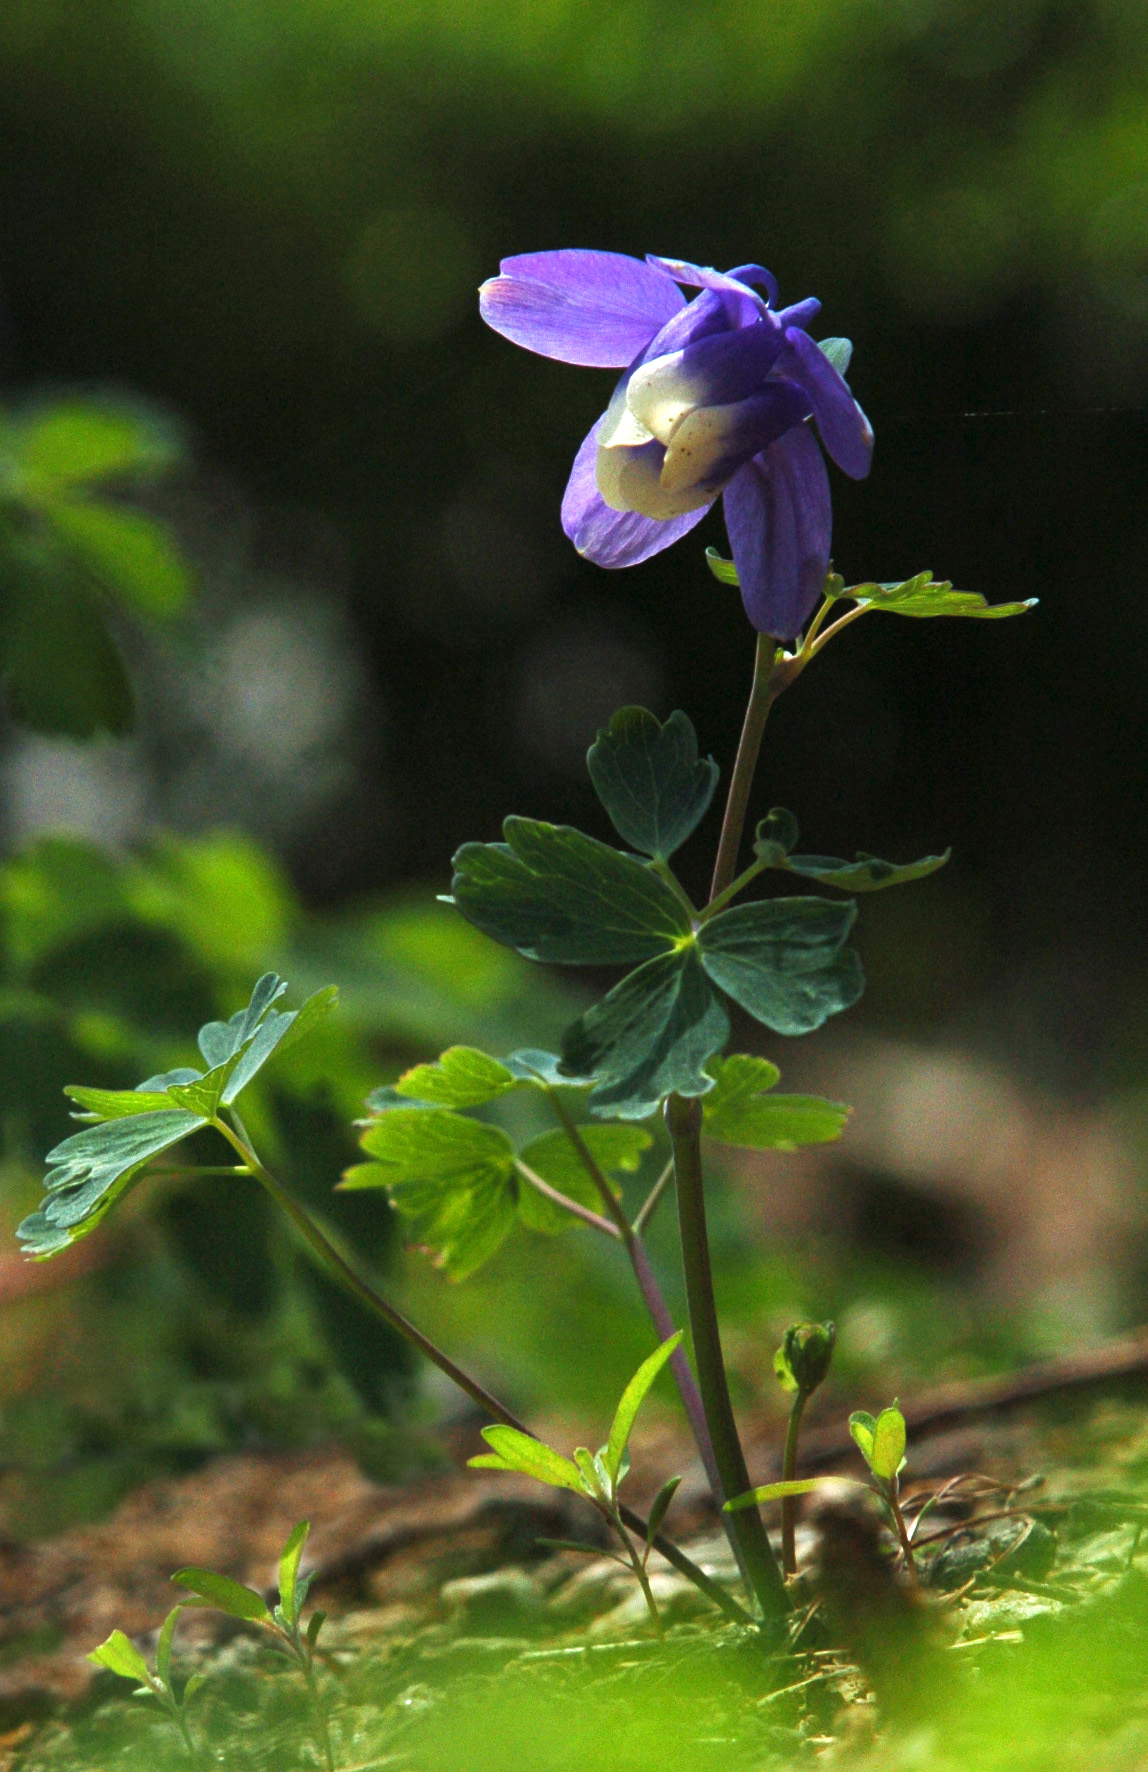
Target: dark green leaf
column 221, row 1040
column 923, row 596
column 88, row 1172
column 553, row 1157
column 783, row 960
column 120, row 1655
column 660, row 1507
column 315, row 1624
column 515, row 1451
column 289, row 1571
column 776, row 836
column 64, row 674
column 127, row 552
column 740, row 1110
column 632, row 1399
column 224, row 1594
column 555, row 894
column 462, row 1078
column 865, row 874
column 277, row 1033
column 652, row 1034
column 650, row 779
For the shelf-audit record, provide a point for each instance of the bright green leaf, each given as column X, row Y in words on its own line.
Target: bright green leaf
column 595, row 1478
column 633, row 1397
column 463, row 1077
column 289, row 1571
column 129, row 553
column 120, row 1655
column 779, row 1491
column 861, row 1426
column 224, row 1594
column 888, row 1453
column 515, row 1451
column 923, row 596
column 163, row 1646
column 80, row 442
column 118, row 1104
column 740, row 1110
column 278, row 1031
column 450, row 1177
column 652, row 1034
column 650, row 779
column 784, row 961
column 193, row 1686
column 554, row 894
column 723, row 570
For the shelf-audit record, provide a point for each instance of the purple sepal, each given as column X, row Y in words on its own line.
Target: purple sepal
column 597, row 309
column 779, row 518
column 614, row 538
column 759, row 277
column 802, row 313
column 845, row 430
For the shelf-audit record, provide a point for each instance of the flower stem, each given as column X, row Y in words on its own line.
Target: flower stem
column 374, row 1302
column 761, row 697
column 788, row 1472
column 658, row 1309
column 894, row 1499
column 684, row 1119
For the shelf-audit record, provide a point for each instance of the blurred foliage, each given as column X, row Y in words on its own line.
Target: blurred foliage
column 69, row 550
column 194, row 1325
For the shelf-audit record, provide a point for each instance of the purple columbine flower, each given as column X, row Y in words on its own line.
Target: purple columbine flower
column 714, row 400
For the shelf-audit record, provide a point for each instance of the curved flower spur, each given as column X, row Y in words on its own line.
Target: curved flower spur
column 714, row 400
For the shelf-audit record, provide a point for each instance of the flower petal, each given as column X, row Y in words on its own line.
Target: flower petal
column 714, row 371
column 779, row 517
column 759, row 277
column 705, row 277
column 712, row 442
column 614, row 538
column 802, row 313
column 598, row 309
column 845, row 431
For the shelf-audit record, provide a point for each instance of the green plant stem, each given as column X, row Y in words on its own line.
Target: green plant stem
column 894, row 1499
column 788, row 1473
column 593, row 1219
column 659, row 1312
column 684, row 1119
column 653, row 1199
column 374, row 1302
column 761, row 698
column 637, row 1564
column 842, row 622
column 323, row 1729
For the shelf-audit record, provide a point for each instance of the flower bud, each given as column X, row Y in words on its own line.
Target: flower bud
column 802, row 1361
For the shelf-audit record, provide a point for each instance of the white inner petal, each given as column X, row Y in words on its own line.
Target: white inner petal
column 619, row 428
column 628, row 480
column 659, row 394
column 699, row 443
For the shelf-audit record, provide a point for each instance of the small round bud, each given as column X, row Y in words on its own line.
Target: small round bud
column 802, row 1361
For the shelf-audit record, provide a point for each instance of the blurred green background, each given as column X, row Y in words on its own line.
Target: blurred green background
column 326, row 570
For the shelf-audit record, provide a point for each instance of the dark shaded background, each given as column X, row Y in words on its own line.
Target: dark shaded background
column 266, row 219
column 271, row 218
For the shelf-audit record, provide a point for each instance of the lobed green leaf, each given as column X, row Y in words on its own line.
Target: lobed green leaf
column 651, row 1035
column 555, row 894
column 784, row 960
column 552, row 1156
column 462, row 1077
column 740, row 1109
column 650, row 779
column 89, row 1171
column 923, row 596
